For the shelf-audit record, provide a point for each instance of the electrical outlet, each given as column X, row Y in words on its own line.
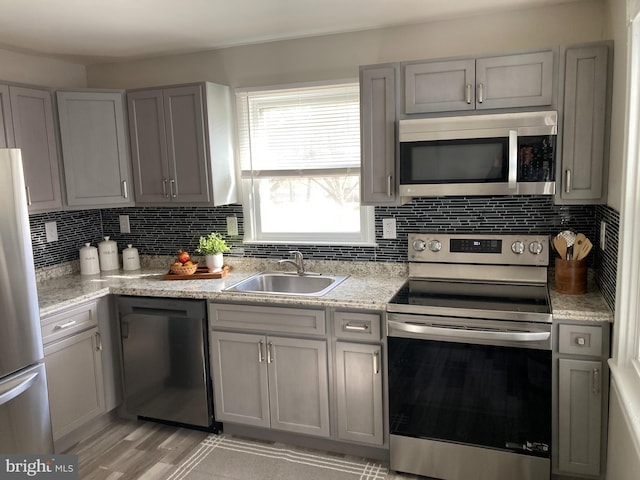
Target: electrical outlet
column 125, row 226
column 389, row 228
column 232, row 226
column 51, row 230
column 603, row 235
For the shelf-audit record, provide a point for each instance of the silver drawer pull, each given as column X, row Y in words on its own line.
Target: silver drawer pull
column 356, row 328
column 580, row 341
column 480, row 93
column 467, row 97
column 61, row 326
column 28, row 196
column 98, row 342
column 125, row 189
column 596, row 381
column 376, row 363
column 260, row 354
column 269, row 352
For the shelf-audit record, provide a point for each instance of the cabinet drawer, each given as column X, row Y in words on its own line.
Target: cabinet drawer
column 354, row 325
column 267, row 319
column 580, row 340
column 68, row 322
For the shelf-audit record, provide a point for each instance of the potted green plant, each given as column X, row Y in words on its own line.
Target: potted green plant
column 213, row 247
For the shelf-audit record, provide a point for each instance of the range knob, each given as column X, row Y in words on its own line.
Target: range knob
column 419, row 245
column 517, row 247
column 535, row 247
column 435, row 245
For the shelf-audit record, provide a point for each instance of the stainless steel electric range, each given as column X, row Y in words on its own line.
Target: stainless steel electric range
column 469, row 340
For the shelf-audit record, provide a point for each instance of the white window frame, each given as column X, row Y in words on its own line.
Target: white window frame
column 253, row 233
column 625, row 363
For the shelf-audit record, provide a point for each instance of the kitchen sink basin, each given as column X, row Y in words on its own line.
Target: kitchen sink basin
column 288, row 284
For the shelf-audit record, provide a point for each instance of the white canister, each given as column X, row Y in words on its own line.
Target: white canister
column 108, row 253
column 130, row 258
column 89, row 260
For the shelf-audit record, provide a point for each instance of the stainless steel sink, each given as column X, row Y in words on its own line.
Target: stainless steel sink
column 288, row 284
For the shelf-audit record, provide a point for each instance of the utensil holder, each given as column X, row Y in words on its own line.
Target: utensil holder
column 571, row 276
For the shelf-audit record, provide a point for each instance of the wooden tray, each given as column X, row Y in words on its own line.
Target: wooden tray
column 202, row 273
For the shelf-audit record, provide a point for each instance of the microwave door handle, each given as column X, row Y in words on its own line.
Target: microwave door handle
column 513, row 159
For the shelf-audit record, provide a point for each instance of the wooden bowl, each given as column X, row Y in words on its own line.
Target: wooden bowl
column 184, row 269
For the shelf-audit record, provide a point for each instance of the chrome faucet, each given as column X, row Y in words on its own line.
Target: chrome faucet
column 296, row 262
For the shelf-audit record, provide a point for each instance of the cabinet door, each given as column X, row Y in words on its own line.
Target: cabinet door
column 94, row 148
column 74, row 379
column 359, row 389
column 148, row 146
column 579, row 416
column 583, row 132
column 524, row 80
column 184, row 117
column 6, row 123
column 439, row 86
column 239, row 370
column 377, row 135
column 298, row 385
column 34, row 132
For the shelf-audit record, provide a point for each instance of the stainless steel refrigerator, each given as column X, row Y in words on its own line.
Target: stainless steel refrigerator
column 25, row 423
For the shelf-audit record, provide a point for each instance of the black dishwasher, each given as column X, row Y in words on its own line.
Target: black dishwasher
column 165, row 360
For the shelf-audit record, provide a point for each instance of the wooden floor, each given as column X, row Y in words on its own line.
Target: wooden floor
column 134, row 450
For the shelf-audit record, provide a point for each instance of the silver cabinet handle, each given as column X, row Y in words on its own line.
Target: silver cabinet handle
column 98, row 342
column 125, row 190
column 28, row 196
column 376, row 363
column 480, row 92
column 580, row 341
column 260, row 354
column 356, row 328
column 164, row 188
column 62, row 326
column 513, row 159
column 16, row 387
column 389, row 179
column 468, row 94
column 270, row 352
column 596, row 381
column 567, row 181
column 174, row 188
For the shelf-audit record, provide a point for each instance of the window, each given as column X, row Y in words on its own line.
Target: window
column 300, row 164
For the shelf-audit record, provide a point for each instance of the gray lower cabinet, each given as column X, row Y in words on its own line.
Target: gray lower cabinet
column 504, row 81
column 73, row 359
column 182, row 144
column 359, row 392
column 34, row 133
column 95, row 150
column 270, row 381
column 583, row 169
column 378, row 135
column 582, row 385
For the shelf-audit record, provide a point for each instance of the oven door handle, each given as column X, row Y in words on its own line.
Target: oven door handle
column 453, row 331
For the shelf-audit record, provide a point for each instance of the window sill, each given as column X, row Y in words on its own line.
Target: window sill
column 311, row 243
column 627, row 383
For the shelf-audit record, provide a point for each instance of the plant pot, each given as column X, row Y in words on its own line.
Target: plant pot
column 214, row 262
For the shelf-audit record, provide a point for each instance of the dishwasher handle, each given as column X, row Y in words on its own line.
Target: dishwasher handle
column 160, row 312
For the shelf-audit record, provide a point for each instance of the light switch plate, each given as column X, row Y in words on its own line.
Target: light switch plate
column 125, row 226
column 389, row 228
column 603, row 235
column 51, row 230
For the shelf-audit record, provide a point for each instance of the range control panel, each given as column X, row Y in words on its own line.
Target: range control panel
column 479, row 249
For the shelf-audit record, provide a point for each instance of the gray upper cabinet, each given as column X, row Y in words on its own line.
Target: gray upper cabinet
column 95, row 150
column 182, row 144
column 6, row 126
column 34, row 131
column 584, row 133
column 378, row 135
column 505, row 81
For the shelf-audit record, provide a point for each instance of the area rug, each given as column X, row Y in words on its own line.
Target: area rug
column 228, row 457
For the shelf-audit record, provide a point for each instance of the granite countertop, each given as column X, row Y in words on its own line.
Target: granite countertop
column 369, row 286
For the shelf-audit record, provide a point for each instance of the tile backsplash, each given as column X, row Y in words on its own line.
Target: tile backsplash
column 163, row 230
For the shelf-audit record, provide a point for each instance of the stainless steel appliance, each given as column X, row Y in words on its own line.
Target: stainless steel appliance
column 165, row 357
column 469, row 339
column 25, row 424
column 500, row 154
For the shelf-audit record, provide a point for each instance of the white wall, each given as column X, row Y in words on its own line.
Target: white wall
column 37, row 70
column 623, row 456
column 338, row 56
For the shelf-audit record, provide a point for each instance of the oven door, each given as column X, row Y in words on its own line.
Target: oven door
column 460, row 406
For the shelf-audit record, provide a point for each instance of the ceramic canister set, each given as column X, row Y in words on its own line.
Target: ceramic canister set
column 105, row 258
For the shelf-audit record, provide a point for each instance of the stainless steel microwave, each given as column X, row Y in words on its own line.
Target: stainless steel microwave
column 496, row 154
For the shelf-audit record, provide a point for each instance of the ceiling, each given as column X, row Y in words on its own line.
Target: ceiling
column 94, row 31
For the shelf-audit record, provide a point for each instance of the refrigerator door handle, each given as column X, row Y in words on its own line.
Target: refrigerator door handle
column 16, row 387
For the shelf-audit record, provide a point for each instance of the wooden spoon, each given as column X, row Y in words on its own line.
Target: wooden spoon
column 579, row 245
column 560, row 244
column 586, row 248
